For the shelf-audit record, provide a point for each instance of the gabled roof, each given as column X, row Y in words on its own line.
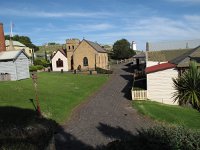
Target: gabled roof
column 183, row 60
column 62, row 52
column 165, row 55
column 15, row 43
column 140, row 55
column 11, row 55
column 96, row 46
column 159, row 67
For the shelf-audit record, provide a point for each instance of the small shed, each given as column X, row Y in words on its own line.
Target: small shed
column 139, row 58
column 14, row 65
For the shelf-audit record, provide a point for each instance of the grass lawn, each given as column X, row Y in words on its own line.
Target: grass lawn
column 187, row 117
column 58, row 94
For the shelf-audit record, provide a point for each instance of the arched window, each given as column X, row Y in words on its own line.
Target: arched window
column 85, row 61
column 59, row 63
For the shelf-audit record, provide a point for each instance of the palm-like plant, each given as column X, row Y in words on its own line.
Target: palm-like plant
column 187, row 87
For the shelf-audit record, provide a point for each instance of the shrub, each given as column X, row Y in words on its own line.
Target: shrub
column 35, row 68
column 159, row 137
column 103, row 71
column 41, row 62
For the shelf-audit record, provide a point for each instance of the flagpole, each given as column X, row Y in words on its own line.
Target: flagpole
column 11, row 30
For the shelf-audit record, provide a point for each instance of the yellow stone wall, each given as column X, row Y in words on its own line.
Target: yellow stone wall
column 94, row 57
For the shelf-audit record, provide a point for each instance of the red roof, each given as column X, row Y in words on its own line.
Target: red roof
column 159, row 67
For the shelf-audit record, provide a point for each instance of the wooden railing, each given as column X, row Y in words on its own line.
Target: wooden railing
column 5, row 77
column 124, row 60
column 139, row 94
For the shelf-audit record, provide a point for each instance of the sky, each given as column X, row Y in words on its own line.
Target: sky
column 102, row 21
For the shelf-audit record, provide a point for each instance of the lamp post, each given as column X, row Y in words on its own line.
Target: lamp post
column 34, row 78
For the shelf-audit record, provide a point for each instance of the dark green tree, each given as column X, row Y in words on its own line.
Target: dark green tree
column 122, row 50
column 24, row 40
column 187, row 87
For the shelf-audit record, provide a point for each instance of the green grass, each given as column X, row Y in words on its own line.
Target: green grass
column 168, row 113
column 58, row 94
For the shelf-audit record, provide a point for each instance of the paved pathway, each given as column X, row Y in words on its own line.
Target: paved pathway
column 107, row 116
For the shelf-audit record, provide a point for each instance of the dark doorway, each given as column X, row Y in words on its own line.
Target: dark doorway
column 72, row 63
column 137, row 62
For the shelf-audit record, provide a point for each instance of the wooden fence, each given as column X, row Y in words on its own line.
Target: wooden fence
column 5, row 77
column 139, row 94
column 124, row 60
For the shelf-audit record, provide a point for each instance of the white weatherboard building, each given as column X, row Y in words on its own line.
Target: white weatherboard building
column 164, row 65
column 14, row 64
column 59, row 61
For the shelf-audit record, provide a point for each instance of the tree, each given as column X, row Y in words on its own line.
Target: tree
column 41, row 62
column 122, row 50
column 187, row 87
column 24, row 40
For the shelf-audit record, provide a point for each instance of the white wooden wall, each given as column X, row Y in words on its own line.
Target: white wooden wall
column 63, row 58
column 19, row 69
column 22, row 67
column 160, row 86
column 153, row 63
column 8, row 67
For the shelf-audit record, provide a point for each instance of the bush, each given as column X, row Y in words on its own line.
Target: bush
column 35, row 68
column 103, row 71
column 160, row 137
column 41, row 62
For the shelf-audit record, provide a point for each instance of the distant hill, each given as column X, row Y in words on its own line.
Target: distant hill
column 50, row 48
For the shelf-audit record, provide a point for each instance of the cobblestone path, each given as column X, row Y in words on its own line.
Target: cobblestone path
column 107, row 116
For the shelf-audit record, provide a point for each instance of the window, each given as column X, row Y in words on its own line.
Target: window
column 85, row 61
column 59, row 63
column 30, row 51
column 73, row 47
column 69, row 47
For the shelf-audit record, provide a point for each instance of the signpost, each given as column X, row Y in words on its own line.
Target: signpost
column 34, row 77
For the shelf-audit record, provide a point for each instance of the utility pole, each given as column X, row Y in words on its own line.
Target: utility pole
column 34, row 77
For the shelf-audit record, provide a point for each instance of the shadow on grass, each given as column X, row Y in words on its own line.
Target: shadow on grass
column 22, row 129
column 125, row 140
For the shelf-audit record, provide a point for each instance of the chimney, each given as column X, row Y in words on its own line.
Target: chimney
column 147, row 46
column 2, row 39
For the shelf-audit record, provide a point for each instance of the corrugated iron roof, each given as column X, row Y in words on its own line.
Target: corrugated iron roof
column 140, row 55
column 166, row 55
column 184, row 60
column 15, row 43
column 9, row 55
column 159, row 67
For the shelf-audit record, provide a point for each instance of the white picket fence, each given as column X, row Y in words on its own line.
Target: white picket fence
column 139, row 94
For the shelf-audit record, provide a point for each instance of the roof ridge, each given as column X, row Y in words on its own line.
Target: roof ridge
column 90, row 43
column 180, row 58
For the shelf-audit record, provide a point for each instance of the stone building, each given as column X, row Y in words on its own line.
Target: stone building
column 85, row 55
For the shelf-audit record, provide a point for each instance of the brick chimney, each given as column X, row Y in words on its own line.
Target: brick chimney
column 2, row 39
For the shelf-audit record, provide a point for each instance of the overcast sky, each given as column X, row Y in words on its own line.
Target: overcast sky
column 103, row 21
